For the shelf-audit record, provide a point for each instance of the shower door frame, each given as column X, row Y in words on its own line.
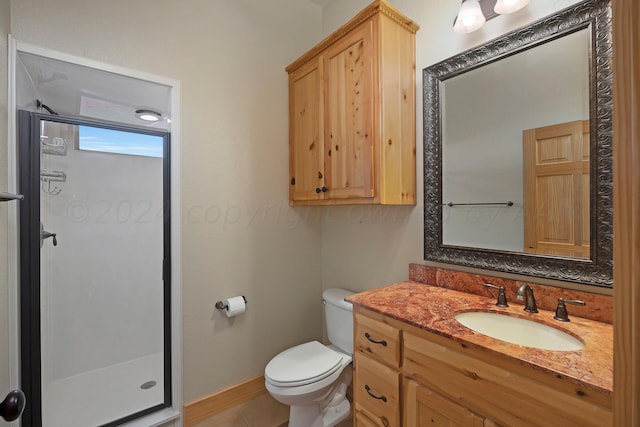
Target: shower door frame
column 28, row 129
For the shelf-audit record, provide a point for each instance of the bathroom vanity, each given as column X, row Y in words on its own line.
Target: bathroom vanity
column 416, row 365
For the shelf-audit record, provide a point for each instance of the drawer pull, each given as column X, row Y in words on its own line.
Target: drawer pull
column 367, row 336
column 368, row 389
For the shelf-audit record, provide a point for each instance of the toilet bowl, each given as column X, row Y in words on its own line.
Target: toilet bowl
column 313, row 378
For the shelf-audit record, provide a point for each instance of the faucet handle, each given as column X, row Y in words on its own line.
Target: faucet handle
column 561, row 311
column 502, row 298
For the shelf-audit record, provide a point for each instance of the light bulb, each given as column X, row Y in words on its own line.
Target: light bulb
column 470, row 17
column 509, row 6
column 468, row 20
column 148, row 115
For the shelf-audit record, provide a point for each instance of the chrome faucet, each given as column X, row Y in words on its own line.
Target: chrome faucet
column 525, row 292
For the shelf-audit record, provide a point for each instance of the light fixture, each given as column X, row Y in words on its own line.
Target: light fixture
column 474, row 13
column 148, row 115
column 469, row 18
column 509, row 6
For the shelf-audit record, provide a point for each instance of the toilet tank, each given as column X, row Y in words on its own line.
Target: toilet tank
column 338, row 318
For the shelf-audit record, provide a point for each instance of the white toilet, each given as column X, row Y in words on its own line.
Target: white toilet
column 311, row 378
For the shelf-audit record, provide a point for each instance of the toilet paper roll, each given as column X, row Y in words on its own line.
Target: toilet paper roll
column 235, row 306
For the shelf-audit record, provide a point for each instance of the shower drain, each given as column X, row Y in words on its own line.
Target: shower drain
column 148, row 385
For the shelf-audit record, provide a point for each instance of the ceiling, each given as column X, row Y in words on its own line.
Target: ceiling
column 77, row 90
column 82, row 91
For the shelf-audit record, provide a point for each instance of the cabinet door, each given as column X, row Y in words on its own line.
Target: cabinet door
column 349, row 113
column 424, row 407
column 306, row 162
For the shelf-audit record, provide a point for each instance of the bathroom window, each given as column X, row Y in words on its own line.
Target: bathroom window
column 119, row 142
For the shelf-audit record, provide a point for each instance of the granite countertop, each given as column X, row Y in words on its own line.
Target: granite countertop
column 432, row 308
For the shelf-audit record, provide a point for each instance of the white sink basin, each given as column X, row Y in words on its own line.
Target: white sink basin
column 519, row 331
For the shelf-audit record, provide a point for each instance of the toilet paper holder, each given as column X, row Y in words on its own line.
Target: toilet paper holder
column 222, row 306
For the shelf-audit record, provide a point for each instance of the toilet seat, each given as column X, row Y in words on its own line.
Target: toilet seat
column 303, row 364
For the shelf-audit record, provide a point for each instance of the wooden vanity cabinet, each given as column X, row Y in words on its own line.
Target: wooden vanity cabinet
column 507, row 392
column 445, row 383
column 352, row 114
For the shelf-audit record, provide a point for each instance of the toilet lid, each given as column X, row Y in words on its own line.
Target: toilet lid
column 302, row 364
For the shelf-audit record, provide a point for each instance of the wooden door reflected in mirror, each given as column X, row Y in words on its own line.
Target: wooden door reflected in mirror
column 556, row 189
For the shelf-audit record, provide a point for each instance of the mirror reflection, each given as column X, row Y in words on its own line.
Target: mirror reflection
column 515, row 152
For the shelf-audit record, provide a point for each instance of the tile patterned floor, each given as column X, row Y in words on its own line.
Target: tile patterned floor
column 261, row 411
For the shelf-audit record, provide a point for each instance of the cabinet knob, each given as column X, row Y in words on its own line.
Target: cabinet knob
column 318, row 190
column 324, row 189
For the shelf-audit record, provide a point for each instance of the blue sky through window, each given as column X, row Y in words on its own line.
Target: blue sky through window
column 120, row 142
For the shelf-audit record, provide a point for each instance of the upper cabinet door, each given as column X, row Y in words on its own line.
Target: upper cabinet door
column 306, row 145
column 349, row 115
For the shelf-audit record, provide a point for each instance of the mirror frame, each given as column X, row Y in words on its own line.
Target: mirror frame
column 595, row 16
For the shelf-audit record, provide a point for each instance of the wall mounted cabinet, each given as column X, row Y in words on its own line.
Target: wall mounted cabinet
column 352, row 136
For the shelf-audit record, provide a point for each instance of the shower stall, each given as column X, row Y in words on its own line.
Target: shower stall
column 95, row 292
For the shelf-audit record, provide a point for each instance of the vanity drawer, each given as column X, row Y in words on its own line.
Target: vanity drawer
column 377, row 392
column 377, row 339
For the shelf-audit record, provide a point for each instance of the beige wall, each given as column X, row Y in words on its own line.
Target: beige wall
column 4, row 319
column 363, row 248
column 239, row 235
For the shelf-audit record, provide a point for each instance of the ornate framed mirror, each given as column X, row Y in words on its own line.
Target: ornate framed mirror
column 517, row 151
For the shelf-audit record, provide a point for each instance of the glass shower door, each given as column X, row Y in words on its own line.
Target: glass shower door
column 104, row 322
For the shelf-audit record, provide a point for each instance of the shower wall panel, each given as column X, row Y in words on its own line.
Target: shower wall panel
column 102, row 284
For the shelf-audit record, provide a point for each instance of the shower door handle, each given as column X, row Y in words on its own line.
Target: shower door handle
column 44, row 234
column 12, row 406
